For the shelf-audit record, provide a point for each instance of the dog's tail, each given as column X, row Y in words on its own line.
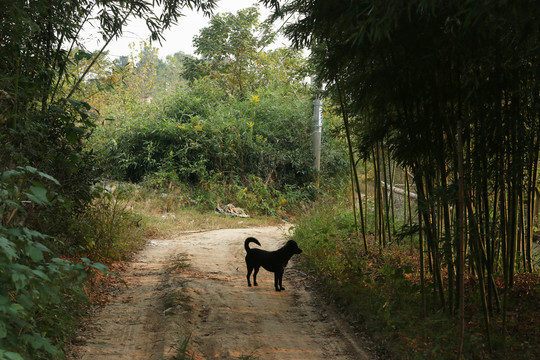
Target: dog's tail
column 250, row 240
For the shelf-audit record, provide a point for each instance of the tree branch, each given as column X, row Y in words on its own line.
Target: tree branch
column 97, row 57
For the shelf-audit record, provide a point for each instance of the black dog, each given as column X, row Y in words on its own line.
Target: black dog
column 273, row 261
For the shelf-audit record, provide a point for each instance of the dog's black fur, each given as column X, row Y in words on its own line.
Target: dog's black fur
column 273, row 261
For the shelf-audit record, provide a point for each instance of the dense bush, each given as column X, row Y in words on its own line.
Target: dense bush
column 199, row 133
column 108, row 229
column 238, row 118
column 253, row 151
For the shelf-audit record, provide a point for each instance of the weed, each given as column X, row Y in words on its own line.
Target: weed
column 178, row 264
column 248, row 357
column 174, row 295
column 182, row 350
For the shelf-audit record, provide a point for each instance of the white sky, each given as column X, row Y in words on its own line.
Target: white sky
column 178, row 38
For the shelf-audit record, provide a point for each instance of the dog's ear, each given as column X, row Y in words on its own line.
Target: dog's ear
column 292, row 243
column 294, row 246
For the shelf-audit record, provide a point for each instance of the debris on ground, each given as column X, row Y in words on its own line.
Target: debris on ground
column 231, row 210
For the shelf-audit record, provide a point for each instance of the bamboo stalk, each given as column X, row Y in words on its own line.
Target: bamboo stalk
column 354, row 178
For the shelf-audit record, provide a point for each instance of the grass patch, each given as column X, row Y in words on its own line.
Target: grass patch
column 165, row 212
column 158, row 224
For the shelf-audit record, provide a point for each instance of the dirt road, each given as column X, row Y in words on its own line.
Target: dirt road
column 191, row 290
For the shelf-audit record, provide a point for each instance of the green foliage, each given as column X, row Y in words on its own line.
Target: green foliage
column 221, row 141
column 43, row 126
column 328, row 240
column 374, row 289
column 449, row 91
column 229, row 47
column 253, row 195
column 381, row 292
column 38, row 290
column 108, row 228
column 266, row 136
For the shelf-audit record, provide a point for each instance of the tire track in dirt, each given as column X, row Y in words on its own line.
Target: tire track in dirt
column 209, row 304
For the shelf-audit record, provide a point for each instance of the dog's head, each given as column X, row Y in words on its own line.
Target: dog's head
column 292, row 246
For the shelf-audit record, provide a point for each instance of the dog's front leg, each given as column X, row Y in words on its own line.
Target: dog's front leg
column 276, row 281
column 278, row 278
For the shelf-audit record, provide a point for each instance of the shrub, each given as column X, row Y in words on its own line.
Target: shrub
column 38, row 290
column 108, row 229
column 232, row 137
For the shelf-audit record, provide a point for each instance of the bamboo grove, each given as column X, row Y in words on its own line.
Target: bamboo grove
column 450, row 92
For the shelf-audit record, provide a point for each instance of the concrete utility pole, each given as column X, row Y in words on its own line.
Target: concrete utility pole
column 316, row 138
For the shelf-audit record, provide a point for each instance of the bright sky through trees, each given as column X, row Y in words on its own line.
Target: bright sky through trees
column 179, row 37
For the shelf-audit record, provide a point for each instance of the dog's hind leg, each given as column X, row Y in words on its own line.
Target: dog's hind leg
column 249, row 270
column 255, row 275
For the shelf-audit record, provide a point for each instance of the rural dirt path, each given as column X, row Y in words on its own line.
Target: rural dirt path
column 191, row 290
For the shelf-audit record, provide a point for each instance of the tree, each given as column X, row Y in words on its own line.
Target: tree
column 230, row 47
column 451, row 90
column 46, row 168
column 170, row 75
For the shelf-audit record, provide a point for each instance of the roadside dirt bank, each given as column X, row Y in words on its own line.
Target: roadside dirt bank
column 191, row 291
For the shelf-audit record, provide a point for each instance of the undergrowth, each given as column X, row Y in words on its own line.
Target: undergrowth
column 42, row 291
column 381, row 291
column 250, row 193
column 109, row 229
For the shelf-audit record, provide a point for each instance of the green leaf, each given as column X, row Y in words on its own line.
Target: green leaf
column 38, row 195
column 59, row 261
column 15, row 310
column 14, row 232
column 35, row 254
column 9, row 355
column 100, row 267
column 31, row 169
column 6, row 247
column 20, row 280
column 6, row 175
column 26, row 300
column 72, row 137
column 11, row 310
column 35, row 234
column 39, row 342
column 3, row 330
column 41, row 275
column 49, row 177
column 20, row 268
